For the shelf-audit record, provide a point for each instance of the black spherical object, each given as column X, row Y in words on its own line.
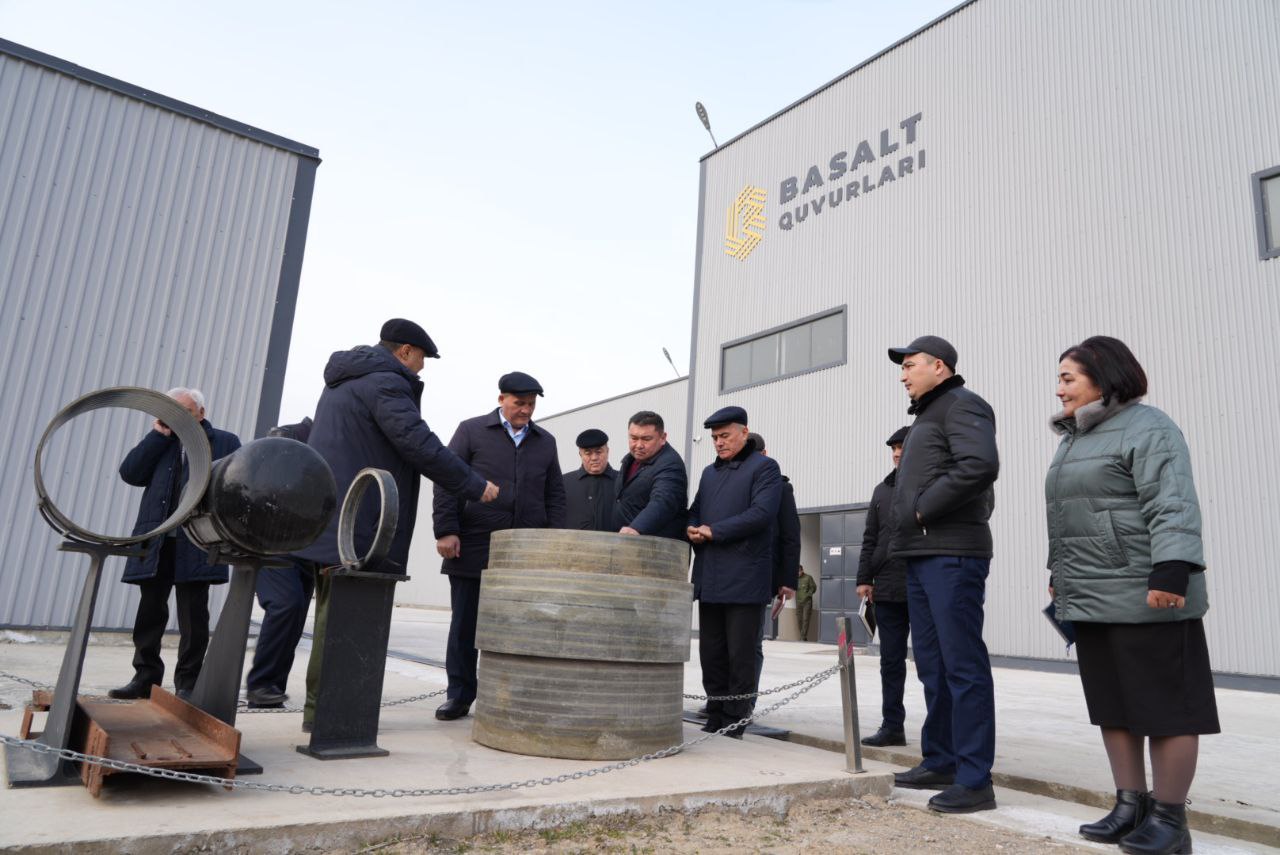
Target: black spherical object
column 272, row 496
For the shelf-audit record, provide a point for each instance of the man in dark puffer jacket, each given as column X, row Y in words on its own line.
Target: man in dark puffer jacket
column 941, row 505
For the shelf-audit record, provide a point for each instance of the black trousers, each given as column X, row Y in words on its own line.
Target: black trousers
column 153, row 617
column 460, row 656
column 727, row 637
column 893, row 626
column 284, row 594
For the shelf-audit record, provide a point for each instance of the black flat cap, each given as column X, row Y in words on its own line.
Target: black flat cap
column 592, row 438
column 756, row 440
column 400, row 331
column 898, row 438
column 518, row 383
column 930, row 344
column 726, row 416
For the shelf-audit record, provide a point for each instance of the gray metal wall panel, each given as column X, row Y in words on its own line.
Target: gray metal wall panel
column 1087, row 172
column 137, row 247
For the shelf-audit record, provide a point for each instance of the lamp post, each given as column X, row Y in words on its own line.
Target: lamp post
column 706, row 122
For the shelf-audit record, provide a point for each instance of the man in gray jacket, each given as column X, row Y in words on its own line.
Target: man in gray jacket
column 941, row 505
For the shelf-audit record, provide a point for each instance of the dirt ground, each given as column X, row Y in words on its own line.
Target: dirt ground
column 829, row 826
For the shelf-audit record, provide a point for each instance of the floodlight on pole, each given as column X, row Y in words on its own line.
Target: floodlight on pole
column 673, row 365
column 706, row 122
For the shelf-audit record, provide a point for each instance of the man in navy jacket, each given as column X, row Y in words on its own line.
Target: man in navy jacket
column 652, row 486
column 731, row 529
column 506, row 447
column 369, row 415
column 171, row 562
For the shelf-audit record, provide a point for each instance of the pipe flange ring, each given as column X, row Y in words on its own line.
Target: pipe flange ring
column 166, row 409
column 388, row 517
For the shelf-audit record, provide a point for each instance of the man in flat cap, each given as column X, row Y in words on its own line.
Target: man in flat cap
column 786, row 558
column 883, row 581
column 589, row 488
column 731, row 528
column 652, row 490
column 369, row 414
column 941, row 506
column 509, row 449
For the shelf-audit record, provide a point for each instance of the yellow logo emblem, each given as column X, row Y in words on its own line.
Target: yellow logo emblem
column 744, row 225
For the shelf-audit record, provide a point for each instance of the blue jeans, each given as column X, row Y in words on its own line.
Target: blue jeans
column 945, row 595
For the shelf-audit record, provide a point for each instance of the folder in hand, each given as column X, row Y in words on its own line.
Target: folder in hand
column 867, row 614
column 1063, row 627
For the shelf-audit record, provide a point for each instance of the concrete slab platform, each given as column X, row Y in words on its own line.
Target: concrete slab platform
column 142, row 815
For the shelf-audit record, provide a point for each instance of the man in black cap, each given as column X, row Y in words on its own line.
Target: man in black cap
column 883, row 580
column 941, row 506
column 588, row 489
column 731, row 529
column 786, row 558
column 369, row 414
column 509, row 449
column 652, row 490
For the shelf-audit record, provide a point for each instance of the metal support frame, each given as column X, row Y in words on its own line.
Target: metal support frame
column 849, row 696
column 352, row 665
column 26, row 768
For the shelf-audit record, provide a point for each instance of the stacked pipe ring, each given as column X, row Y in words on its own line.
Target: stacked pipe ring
column 388, row 518
column 189, row 432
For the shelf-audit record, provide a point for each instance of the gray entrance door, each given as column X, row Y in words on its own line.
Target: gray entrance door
column 840, row 538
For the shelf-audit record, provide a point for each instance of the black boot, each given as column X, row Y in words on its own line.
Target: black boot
column 1131, row 809
column 1164, row 832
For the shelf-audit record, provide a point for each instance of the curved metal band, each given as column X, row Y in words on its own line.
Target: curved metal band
column 167, row 410
column 388, row 518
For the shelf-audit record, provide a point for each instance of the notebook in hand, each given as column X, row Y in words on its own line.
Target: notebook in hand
column 1063, row 627
column 867, row 614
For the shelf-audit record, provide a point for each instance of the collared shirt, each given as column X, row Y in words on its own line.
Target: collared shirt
column 517, row 436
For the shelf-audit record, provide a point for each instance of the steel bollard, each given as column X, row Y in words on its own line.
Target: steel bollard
column 849, row 697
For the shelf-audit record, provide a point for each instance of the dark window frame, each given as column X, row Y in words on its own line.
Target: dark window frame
column 841, row 311
column 1262, row 215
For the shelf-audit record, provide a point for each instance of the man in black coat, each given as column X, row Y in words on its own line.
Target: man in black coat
column 589, row 488
column 509, row 449
column 941, row 504
column 172, row 562
column 652, row 488
column 786, row 558
column 731, row 528
column 369, row 415
column 883, row 580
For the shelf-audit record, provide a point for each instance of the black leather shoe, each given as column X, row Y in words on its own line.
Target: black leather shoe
column 920, row 778
column 131, row 691
column 1131, row 809
column 452, row 709
column 265, row 696
column 1163, row 832
column 958, row 798
column 884, row 736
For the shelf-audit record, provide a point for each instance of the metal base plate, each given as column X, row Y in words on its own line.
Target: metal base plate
column 343, row 753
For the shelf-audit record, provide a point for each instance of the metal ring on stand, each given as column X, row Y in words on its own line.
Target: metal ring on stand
column 166, row 409
column 388, row 517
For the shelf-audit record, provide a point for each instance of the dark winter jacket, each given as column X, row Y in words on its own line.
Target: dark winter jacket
column 949, row 464
column 1121, row 503
column 157, row 465
column 528, row 477
column 653, row 502
column 369, row 415
column 739, row 500
column 786, row 540
column 589, row 499
column 875, row 567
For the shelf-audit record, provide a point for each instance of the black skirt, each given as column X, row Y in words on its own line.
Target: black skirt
column 1152, row 679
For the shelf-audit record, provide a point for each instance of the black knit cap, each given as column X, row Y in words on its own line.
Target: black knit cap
column 400, row 331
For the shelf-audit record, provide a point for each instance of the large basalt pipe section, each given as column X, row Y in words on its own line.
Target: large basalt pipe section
column 583, row 637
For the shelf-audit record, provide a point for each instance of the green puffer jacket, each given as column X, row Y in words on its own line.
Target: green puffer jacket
column 1120, row 499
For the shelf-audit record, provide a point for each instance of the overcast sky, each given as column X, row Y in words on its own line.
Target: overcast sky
column 519, row 178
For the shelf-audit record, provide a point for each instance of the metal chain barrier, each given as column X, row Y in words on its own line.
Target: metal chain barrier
column 32, row 683
column 298, row 789
column 819, row 677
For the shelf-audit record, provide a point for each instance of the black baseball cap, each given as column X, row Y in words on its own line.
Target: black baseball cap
column 930, row 344
column 400, row 331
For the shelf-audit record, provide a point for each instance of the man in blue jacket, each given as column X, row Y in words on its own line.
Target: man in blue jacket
column 509, row 449
column 652, row 486
column 369, row 415
column 731, row 529
column 171, row 562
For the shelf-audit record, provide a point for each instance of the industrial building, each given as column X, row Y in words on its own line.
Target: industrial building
column 143, row 242
column 1014, row 177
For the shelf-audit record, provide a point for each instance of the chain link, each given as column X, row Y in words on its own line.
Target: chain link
column 821, row 675
column 298, row 789
column 15, row 678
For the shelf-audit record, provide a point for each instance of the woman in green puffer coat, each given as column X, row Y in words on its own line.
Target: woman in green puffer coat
column 1127, row 570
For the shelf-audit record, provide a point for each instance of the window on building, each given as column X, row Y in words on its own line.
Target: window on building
column 1266, row 198
column 805, row 345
